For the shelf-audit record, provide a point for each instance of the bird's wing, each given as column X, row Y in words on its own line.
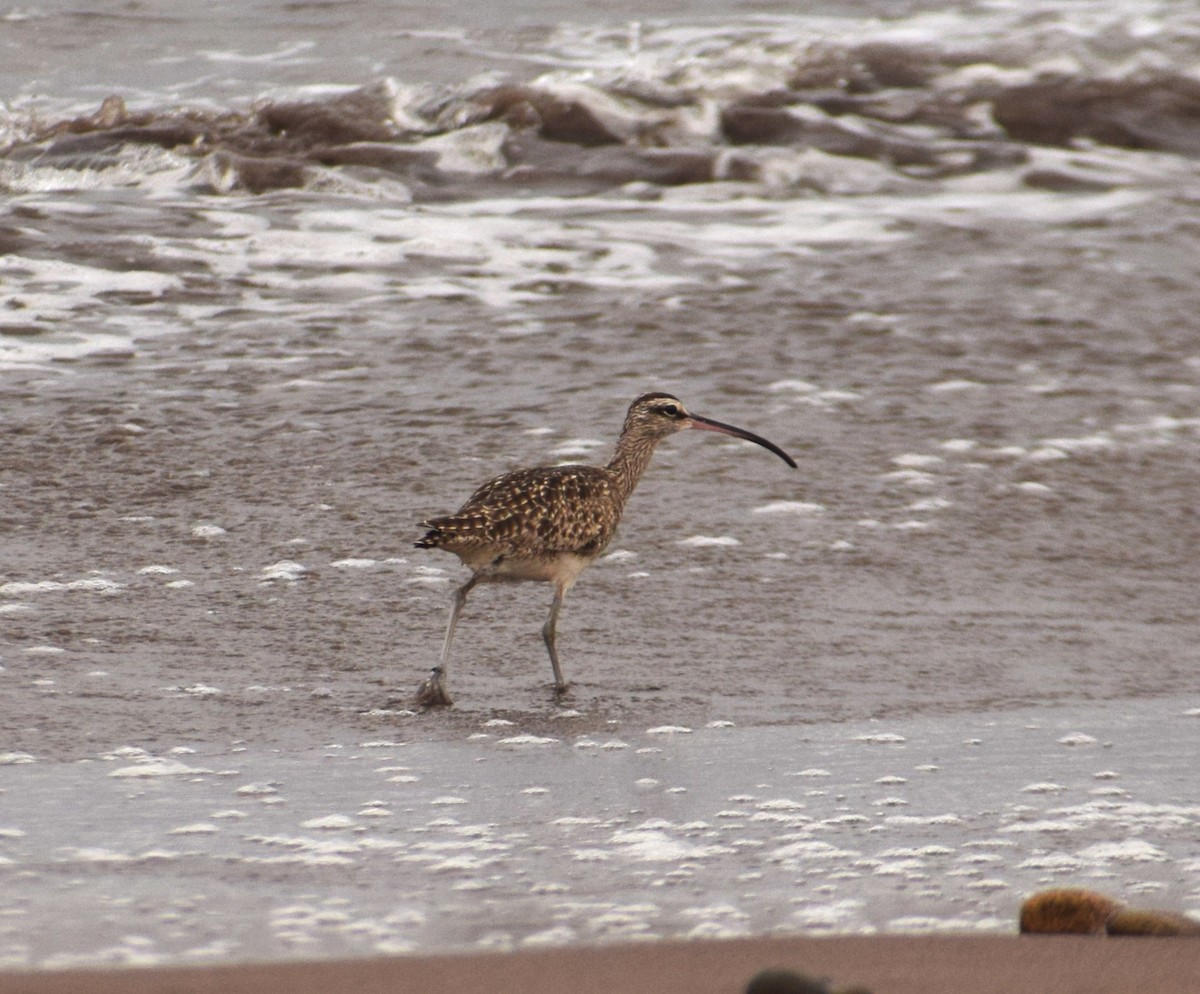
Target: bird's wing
column 543, row 510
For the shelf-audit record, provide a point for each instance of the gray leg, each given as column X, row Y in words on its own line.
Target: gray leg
column 456, row 606
column 549, row 635
column 433, row 691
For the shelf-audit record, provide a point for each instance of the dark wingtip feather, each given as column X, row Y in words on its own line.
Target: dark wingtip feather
column 430, row 540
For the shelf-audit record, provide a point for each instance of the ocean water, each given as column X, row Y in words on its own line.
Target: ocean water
column 264, row 159
column 277, row 282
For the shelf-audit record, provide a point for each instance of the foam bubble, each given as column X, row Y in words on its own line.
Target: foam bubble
column 954, row 386
column 207, row 531
column 527, row 740
column 285, row 570
column 798, row 507
column 1128, row 851
column 152, row 767
column 705, row 541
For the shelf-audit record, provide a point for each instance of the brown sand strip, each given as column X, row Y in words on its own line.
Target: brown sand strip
column 884, row 964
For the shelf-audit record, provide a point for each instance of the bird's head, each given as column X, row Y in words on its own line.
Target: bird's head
column 657, row 415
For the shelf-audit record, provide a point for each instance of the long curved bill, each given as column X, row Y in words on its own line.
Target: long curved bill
column 707, row 424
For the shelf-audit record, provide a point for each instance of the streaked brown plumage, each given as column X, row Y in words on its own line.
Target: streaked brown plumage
column 550, row 522
column 522, row 514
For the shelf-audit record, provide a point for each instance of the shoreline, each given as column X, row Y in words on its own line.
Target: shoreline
column 884, row 964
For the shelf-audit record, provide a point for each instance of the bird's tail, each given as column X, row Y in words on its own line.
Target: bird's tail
column 432, row 539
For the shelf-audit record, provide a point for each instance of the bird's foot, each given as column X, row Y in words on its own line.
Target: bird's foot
column 432, row 692
column 562, row 690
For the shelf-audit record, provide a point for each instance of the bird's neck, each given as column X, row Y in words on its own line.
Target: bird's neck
column 630, row 462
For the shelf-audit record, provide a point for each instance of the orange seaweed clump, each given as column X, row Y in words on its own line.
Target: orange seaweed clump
column 1071, row 910
column 1076, row 911
column 1135, row 921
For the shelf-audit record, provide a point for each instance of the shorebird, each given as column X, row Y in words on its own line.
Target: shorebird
column 550, row 522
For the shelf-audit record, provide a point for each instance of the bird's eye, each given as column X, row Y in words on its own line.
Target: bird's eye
column 670, row 410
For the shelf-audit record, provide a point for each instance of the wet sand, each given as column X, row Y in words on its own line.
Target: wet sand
column 1048, row 559
column 884, row 965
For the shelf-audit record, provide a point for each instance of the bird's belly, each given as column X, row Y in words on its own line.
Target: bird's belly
column 561, row 568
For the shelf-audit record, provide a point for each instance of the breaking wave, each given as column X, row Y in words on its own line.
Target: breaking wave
column 794, row 106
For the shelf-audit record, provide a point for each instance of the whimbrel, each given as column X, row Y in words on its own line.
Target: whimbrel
column 550, row 522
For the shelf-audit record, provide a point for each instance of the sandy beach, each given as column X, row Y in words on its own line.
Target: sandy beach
column 277, row 289
column 884, row 965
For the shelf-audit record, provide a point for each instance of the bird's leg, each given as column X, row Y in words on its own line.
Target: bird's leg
column 432, row 693
column 549, row 634
column 456, row 605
